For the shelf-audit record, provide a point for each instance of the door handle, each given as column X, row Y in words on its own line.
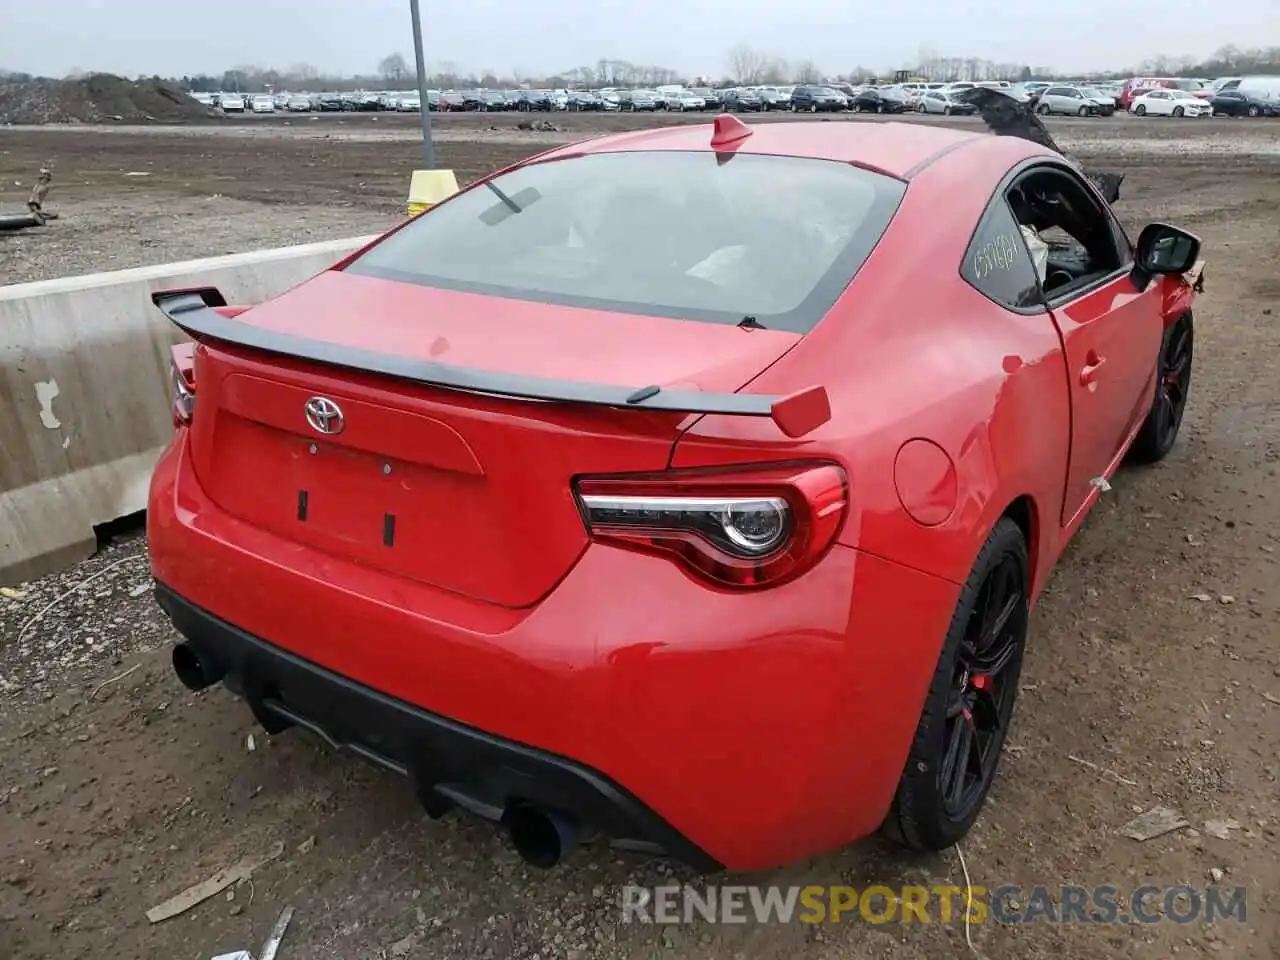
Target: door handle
column 1089, row 373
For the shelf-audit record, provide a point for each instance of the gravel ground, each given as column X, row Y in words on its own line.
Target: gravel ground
column 1152, row 676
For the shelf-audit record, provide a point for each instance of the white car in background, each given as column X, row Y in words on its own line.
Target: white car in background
column 231, row 103
column 263, row 103
column 1170, row 103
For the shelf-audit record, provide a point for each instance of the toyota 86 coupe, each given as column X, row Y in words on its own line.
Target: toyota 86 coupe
column 686, row 489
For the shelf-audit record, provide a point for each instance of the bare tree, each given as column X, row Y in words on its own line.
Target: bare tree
column 806, row 71
column 747, row 65
column 393, row 69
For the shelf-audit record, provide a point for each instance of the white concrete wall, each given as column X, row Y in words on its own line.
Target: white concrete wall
column 84, row 393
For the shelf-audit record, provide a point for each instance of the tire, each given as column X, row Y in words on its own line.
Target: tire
column 1178, row 112
column 1159, row 431
column 813, row 108
column 946, row 111
column 1140, row 109
column 922, row 817
column 1083, row 112
column 920, row 108
column 1043, row 109
column 1253, row 111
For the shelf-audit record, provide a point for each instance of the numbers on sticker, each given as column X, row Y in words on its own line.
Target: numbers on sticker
column 997, row 254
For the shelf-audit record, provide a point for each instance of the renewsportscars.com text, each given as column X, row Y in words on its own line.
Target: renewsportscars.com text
column 1007, row 904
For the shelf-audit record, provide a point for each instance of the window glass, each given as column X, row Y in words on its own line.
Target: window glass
column 997, row 263
column 667, row 233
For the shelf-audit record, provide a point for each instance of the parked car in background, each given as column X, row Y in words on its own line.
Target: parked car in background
column 409, row 103
column 941, row 101
column 263, row 103
column 1170, row 103
column 610, row 100
column 1195, row 87
column 742, row 100
column 1137, row 86
column 773, row 98
column 682, row 100
column 584, row 100
column 1106, row 101
column 298, row 104
column 1068, row 101
column 710, row 98
column 1266, row 87
column 812, row 98
column 879, row 100
column 639, row 100
column 231, row 103
column 1241, row 103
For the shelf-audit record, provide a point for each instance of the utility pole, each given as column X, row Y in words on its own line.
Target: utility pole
column 424, row 106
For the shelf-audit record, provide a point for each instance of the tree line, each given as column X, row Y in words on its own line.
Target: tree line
column 743, row 65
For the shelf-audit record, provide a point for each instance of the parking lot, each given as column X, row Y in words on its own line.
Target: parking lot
column 1152, row 675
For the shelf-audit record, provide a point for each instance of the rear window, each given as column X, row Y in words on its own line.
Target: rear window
column 673, row 234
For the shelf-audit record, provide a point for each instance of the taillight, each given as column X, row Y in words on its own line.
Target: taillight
column 755, row 527
column 182, row 382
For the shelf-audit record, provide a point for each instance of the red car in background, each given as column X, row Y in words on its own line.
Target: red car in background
column 693, row 485
column 1137, row 86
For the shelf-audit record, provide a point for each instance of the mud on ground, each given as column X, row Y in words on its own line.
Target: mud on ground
column 1152, row 676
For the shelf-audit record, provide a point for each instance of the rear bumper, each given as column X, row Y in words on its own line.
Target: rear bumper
column 749, row 730
column 447, row 762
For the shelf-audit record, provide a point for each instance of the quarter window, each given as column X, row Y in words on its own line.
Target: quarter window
column 997, row 263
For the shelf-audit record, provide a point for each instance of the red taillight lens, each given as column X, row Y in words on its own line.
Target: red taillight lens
column 182, row 382
column 755, row 527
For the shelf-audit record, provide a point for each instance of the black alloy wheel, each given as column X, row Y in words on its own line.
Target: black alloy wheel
column 961, row 733
column 1159, row 431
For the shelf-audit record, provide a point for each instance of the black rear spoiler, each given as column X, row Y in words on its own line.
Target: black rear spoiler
column 193, row 311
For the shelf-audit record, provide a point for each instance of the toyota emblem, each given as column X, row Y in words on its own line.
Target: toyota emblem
column 324, row 415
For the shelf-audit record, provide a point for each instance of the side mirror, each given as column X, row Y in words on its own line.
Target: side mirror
column 1165, row 249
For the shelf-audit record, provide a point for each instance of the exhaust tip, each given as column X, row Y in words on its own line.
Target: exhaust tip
column 541, row 837
column 193, row 673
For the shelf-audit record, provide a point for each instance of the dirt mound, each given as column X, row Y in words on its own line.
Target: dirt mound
column 98, row 98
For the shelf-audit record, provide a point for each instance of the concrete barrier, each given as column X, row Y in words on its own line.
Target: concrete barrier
column 84, row 393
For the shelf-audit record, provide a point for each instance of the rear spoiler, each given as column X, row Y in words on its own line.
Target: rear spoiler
column 193, row 310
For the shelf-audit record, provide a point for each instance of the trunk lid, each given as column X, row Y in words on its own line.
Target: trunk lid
column 465, row 491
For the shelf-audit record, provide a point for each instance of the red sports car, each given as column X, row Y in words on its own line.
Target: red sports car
column 691, row 486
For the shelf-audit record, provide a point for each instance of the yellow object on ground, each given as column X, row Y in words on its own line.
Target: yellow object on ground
column 429, row 187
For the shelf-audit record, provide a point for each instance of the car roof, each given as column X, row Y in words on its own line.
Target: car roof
column 898, row 149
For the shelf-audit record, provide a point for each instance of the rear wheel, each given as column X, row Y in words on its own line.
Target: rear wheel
column 1043, row 109
column 970, row 702
column 1140, row 109
column 1159, row 431
column 946, row 111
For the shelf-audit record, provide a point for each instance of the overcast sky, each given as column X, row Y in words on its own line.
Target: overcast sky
column 132, row 37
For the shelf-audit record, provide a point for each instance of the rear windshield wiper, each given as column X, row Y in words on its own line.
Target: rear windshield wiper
column 515, row 207
column 751, row 323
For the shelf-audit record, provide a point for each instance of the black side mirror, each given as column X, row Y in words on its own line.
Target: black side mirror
column 1163, row 249
column 1166, row 249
